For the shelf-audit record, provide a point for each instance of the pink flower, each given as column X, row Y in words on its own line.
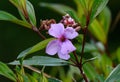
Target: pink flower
column 62, row 45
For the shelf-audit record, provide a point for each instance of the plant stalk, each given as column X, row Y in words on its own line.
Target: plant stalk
column 80, row 66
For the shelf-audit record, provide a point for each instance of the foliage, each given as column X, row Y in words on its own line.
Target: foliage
column 91, row 61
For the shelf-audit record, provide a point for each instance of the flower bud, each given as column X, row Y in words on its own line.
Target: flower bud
column 45, row 24
column 68, row 21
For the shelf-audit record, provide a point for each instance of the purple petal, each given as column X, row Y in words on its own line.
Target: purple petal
column 56, row 30
column 63, row 56
column 67, row 47
column 70, row 33
column 53, row 47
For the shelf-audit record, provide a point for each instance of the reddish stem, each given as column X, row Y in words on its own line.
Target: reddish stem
column 80, row 66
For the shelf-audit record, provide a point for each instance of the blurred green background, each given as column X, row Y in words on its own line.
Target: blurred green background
column 14, row 38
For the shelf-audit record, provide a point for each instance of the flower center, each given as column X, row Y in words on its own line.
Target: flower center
column 62, row 38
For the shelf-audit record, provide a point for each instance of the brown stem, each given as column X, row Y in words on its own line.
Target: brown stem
column 83, row 44
column 74, row 62
column 82, row 73
column 35, row 29
column 76, row 57
column 80, row 66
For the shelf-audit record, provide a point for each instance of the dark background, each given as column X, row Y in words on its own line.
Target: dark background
column 14, row 38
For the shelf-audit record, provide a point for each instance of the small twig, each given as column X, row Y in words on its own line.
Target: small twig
column 36, row 70
column 82, row 73
column 74, row 63
column 83, row 44
column 89, row 60
column 35, row 29
column 76, row 57
column 79, row 65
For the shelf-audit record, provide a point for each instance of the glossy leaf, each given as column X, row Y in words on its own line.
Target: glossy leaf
column 105, row 19
column 97, row 7
column 39, row 46
column 42, row 60
column 57, row 7
column 31, row 13
column 114, row 76
column 97, row 31
column 7, row 72
column 8, row 17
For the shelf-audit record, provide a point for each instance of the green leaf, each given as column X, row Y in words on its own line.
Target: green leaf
column 89, row 71
column 25, row 78
column 23, row 3
column 97, row 7
column 42, row 78
column 118, row 54
column 79, row 38
column 104, row 63
column 31, row 78
column 57, row 7
column 83, row 3
column 20, row 5
column 7, row 72
column 80, row 12
column 23, row 6
column 42, row 60
column 53, row 80
column 88, row 48
column 39, row 46
column 8, row 17
column 97, row 31
column 114, row 76
column 88, row 60
column 100, row 78
column 31, row 13
column 86, row 5
column 105, row 19
column 16, row 3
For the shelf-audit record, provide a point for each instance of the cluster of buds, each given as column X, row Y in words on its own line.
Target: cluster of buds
column 68, row 21
column 45, row 24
